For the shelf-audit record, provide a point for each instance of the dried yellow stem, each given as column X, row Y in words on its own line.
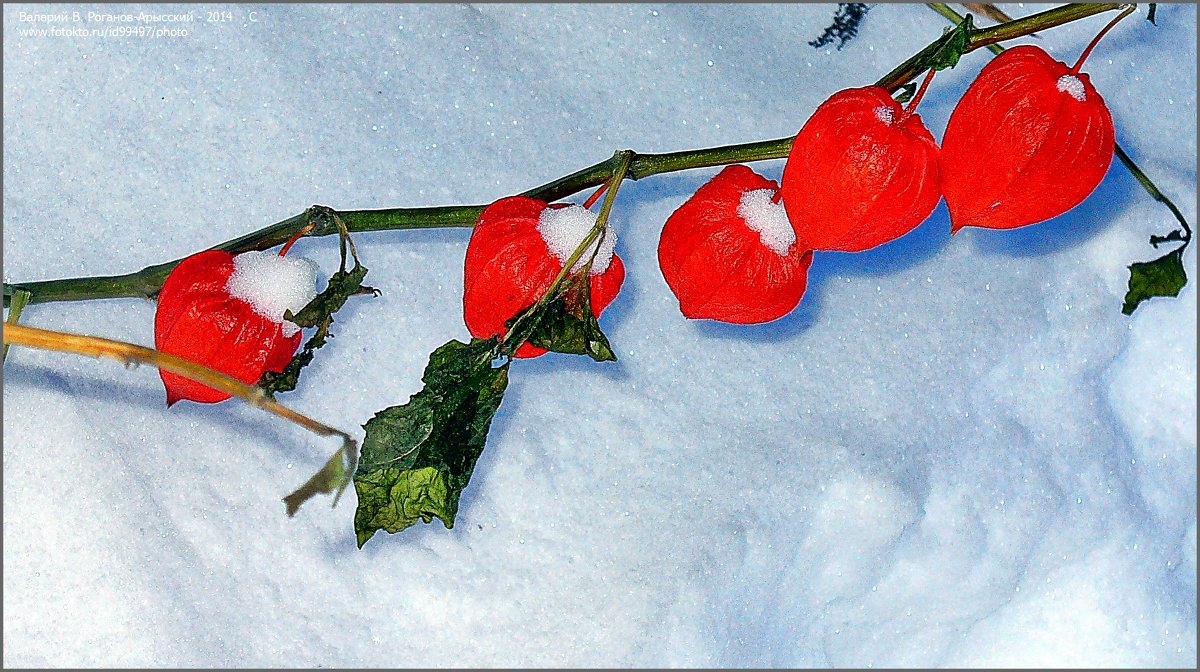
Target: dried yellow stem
column 128, row 353
column 989, row 10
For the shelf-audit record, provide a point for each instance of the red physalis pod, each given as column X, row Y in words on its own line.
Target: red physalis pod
column 518, row 247
column 1029, row 140
column 862, row 172
column 730, row 254
column 226, row 312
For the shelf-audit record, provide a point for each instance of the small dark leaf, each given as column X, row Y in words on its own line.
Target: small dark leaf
column 342, row 285
column 1150, row 15
column 1173, row 236
column 845, row 25
column 905, row 93
column 1162, row 277
column 332, row 478
column 567, row 324
column 417, row 458
column 318, row 313
column 952, row 46
column 9, row 291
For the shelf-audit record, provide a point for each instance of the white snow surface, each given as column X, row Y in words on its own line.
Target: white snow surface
column 273, row 285
column 767, row 218
column 564, row 229
column 955, row 452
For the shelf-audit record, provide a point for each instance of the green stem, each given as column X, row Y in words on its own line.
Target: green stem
column 983, row 37
column 955, row 17
column 1123, row 157
column 146, row 282
column 1154, row 192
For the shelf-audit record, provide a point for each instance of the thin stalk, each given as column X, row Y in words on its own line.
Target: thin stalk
column 330, row 479
column 1151, row 189
column 989, row 10
column 146, row 282
column 128, row 353
column 916, row 99
column 955, row 17
column 1096, row 40
column 587, row 205
column 982, row 37
column 292, row 241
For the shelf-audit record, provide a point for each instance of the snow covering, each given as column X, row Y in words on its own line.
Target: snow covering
column 768, row 218
column 272, row 284
column 885, row 114
column 1073, row 86
column 955, row 452
column 564, row 229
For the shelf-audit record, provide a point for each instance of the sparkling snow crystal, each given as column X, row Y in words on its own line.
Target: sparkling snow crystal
column 1072, row 85
column 768, row 218
column 273, row 284
column 564, row 229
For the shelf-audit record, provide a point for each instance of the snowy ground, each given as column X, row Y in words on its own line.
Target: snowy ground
column 956, row 452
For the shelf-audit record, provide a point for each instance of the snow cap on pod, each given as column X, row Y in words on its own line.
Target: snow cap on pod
column 564, row 229
column 768, row 218
column 1073, row 86
column 272, row 284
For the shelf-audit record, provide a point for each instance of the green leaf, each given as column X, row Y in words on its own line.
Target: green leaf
column 417, row 458
column 566, row 324
column 332, row 478
column 952, row 46
column 905, row 93
column 318, row 313
column 1162, row 277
